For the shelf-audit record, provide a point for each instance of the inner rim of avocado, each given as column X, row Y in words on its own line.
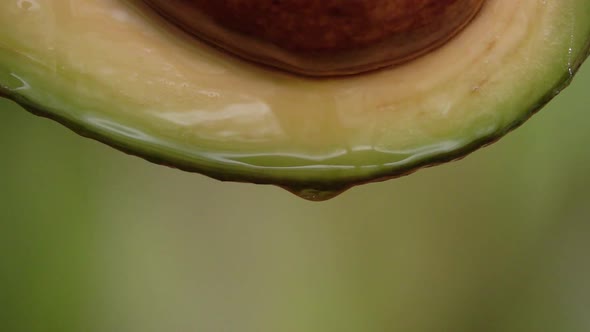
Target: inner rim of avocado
column 323, row 37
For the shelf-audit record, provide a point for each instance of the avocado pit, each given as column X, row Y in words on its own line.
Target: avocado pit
column 323, row 37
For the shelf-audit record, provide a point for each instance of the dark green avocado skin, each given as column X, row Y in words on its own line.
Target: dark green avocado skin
column 316, row 190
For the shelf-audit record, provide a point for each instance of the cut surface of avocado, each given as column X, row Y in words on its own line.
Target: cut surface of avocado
column 117, row 72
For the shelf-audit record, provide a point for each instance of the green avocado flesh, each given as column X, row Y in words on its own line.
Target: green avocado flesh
column 116, row 72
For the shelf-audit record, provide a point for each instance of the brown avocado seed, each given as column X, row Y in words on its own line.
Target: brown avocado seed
column 323, row 37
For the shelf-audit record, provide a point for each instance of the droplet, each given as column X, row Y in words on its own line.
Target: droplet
column 316, row 195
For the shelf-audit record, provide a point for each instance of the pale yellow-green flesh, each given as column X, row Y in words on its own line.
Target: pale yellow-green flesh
column 119, row 73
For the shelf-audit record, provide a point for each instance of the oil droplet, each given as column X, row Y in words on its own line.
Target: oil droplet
column 315, row 195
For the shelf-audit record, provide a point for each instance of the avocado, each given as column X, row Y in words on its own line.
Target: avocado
column 121, row 73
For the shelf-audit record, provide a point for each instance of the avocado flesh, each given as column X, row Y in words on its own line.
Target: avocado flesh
column 113, row 71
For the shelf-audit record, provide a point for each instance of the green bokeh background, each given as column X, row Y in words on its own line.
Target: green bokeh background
column 92, row 239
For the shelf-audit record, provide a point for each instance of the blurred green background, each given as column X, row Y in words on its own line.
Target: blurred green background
column 94, row 240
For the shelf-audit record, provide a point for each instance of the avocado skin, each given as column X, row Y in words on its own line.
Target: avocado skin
column 329, row 185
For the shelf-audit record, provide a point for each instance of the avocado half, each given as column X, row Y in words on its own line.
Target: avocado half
column 117, row 72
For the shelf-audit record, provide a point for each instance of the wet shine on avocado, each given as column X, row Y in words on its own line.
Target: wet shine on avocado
column 262, row 91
